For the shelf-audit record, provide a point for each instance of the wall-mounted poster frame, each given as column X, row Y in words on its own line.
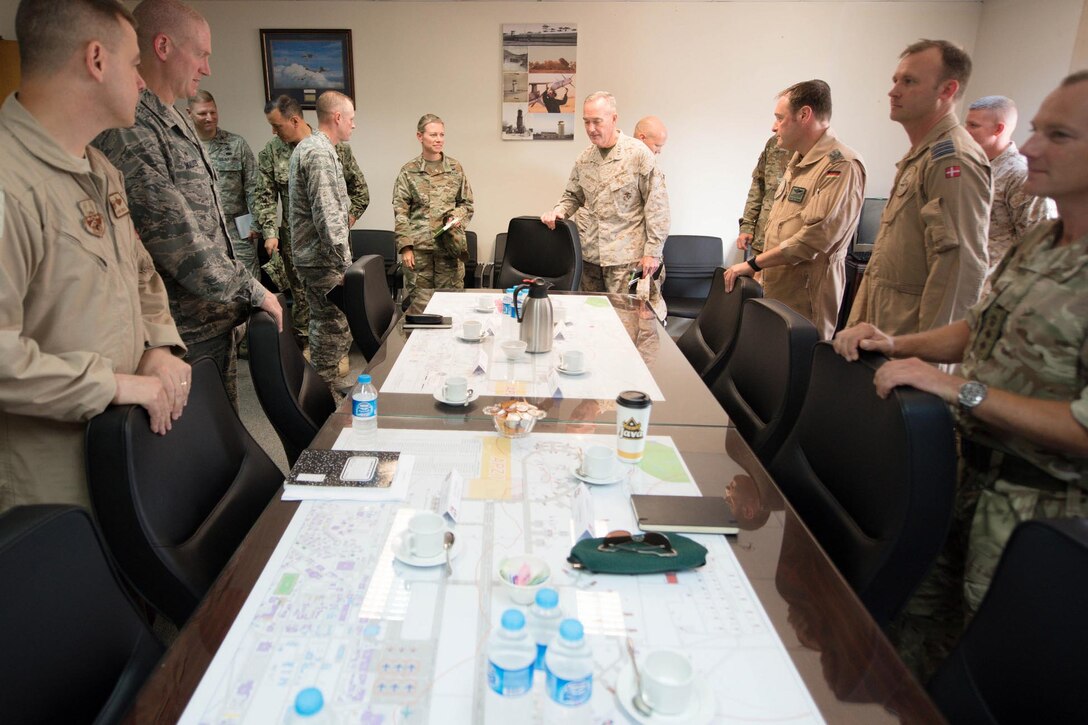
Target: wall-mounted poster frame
column 304, row 64
column 539, row 72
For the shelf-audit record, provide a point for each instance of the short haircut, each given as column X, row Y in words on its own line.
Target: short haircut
column 1001, row 104
column 330, row 102
column 608, row 98
column 51, row 31
column 288, row 107
column 428, row 118
column 815, row 94
column 955, row 62
column 201, row 96
column 1073, row 78
column 172, row 17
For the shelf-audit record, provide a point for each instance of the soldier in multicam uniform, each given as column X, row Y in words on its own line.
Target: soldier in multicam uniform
column 284, row 114
column 430, row 193
column 815, row 211
column 236, row 174
column 623, row 193
column 757, row 208
column 319, row 217
column 1023, row 394
column 172, row 196
column 991, row 121
column 929, row 258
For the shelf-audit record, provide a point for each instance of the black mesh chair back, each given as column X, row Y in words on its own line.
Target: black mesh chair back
column 75, row 647
column 368, row 304
column 293, row 396
column 471, row 264
column 533, row 250
column 763, row 385
column 690, row 263
column 1022, row 657
column 174, row 508
column 383, row 243
column 708, row 342
column 873, row 478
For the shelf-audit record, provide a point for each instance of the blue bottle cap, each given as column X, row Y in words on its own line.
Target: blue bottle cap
column 513, row 620
column 571, row 630
column 364, row 379
column 547, row 598
column 309, row 702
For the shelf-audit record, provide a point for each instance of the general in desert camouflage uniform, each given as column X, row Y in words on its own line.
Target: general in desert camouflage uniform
column 273, row 163
column 426, row 195
column 757, row 208
column 1013, row 211
column 319, row 236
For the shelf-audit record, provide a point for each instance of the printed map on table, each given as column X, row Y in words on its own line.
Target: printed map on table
column 334, row 609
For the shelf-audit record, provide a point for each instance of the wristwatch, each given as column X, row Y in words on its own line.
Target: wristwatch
column 972, row 393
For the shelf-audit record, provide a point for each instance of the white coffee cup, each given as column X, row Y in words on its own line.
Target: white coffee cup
column 425, row 534
column 668, row 679
column 573, row 360
column 484, row 302
column 598, row 462
column 471, row 329
column 455, row 389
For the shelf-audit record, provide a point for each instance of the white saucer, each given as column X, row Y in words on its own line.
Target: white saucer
column 700, row 708
column 456, row 404
column 617, row 476
column 489, row 308
column 438, row 559
column 472, row 339
column 572, row 373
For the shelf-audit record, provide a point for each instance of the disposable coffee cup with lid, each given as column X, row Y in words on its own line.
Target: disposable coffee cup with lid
column 632, row 421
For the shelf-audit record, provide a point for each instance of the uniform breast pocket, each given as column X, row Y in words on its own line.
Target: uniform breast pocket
column 231, row 165
column 85, row 251
column 282, row 175
column 625, row 195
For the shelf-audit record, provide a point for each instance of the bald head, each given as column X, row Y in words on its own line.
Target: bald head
column 652, row 132
column 991, row 121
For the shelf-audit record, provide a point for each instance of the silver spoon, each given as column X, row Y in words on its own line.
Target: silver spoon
column 447, row 544
column 639, row 704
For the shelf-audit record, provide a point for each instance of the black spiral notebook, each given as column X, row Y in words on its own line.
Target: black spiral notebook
column 684, row 514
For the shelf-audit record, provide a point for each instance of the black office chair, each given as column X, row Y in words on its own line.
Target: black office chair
column 857, row 256
column 293, row 396
column 486, row 272
column 75, row 647
column 690, row 264
column 1022, row 657
column 174, row 508
column 763, row 384
column 368, row 304
column 533, row 250
column 708, row 341
column 471, row 281
column 873, row 478
column 383, row 243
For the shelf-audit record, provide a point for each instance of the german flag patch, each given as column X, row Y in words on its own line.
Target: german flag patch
column 833, row 173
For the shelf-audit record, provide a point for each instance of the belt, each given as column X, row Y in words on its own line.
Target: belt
column 995, row 464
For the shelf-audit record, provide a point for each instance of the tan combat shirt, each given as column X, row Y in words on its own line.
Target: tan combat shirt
column 1014, row 211
column 79, row 301
column 816, row 210
column 625, row 200
column 929, row 258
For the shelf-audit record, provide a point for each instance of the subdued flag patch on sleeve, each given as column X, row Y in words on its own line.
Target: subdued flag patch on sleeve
column 833, row 173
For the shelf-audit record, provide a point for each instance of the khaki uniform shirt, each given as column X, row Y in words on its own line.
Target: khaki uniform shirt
column 319, row 206
column 179, row 216
column 625, row 200
column 816, row 210
column 422, row 202
column 1029, row 336
column 273, row 170
column 79, row 301
column 929, row 258
column 236, row 175
column 1014, row 211
column 765, row 178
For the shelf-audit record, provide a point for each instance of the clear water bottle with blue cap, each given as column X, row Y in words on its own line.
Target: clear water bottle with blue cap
column 544, row 618
column 511, row 653
column 569, row 662
column 364, row 406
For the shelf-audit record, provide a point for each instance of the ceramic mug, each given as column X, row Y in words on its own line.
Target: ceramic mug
column 573, row 361
column 598, row 462
column 455, row 390
column 472, row 329
column 668, row 679
column 425, row 534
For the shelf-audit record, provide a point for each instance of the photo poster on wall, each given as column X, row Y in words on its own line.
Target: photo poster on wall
column 539, row 68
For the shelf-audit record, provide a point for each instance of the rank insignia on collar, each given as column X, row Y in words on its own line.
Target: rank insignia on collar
column 797, row 194
column 92, row 218
column 118, row 205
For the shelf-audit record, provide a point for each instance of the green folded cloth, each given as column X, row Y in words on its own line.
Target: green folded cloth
column 637, row 555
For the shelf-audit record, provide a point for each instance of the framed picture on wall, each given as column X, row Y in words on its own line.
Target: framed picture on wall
column 304, row 64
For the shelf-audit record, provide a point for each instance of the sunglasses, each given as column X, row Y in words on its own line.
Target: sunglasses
column 652, row 543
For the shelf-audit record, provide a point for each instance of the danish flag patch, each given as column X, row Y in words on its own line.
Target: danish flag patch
column 951, row 172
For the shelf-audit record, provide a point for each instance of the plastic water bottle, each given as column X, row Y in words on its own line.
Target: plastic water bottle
column 309, row 708
column 570, row 667
column 510, row 656
column 508, row 302
column 544, row 618
column 364, row 406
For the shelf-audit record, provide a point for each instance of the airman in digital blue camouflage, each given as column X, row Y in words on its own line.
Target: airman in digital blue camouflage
column 757, row 207
column 319, row 216
column 432, row 204
column 172, row 196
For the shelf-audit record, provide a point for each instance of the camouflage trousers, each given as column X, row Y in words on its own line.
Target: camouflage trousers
column 300, row 308
column 245, row 251
column 330, row 339
column 221, row 349
column 596, row 278
column 987, row 509
column 433, row 270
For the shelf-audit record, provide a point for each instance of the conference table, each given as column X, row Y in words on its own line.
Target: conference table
column 842, row 660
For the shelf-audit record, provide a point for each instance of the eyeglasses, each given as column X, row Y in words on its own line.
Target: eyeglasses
column 652, row 543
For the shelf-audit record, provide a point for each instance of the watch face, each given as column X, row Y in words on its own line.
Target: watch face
column 971, row 394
